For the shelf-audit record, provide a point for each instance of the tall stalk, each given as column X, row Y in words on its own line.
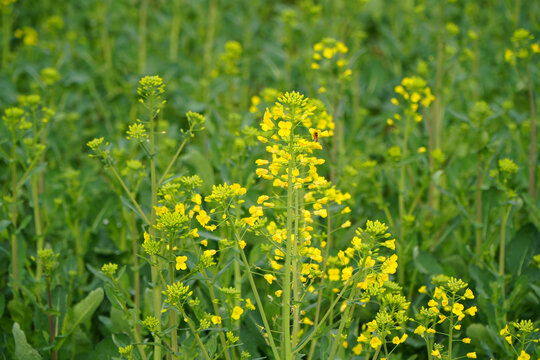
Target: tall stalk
column 143, row 19
column 14, row 188
column 435, row 129
column 286, row 304
column 156, row 291
column 7, row 21
column 532, row 149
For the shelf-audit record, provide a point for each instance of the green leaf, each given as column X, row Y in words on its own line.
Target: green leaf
column 521, row 248
column 426, row 263
column 23, row 350
column 203, row 168
column 83, row 311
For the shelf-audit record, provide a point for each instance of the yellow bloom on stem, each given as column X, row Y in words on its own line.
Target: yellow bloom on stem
column 203, row 218
column 466, row 340
column 436, row 353
column 468, row 294
column 471, row 311
column 420, row 330
column 375, row 342
column 249, row 304
column 524, row 356
column 269, row 278
column 242, row 244
column 333, row 274
column 284, row 129
column 209, row 253
column 357, row 350
column 237, row 311
column 204, row 243
column 216, row 320
column 471, row 355
column 197, row 199
column 181, row 263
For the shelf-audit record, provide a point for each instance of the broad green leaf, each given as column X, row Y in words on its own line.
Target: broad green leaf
column 23, row 350
column 83, row 310
column 426, row 263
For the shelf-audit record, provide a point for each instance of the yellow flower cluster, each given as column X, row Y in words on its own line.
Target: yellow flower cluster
column 523, row 47
column 520, row 332
column 446, row 306
column 329, row 55
column 413, row 91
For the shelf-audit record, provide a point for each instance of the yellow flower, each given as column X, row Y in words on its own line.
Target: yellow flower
column 237, row 311
column 204, row 243
column 362, row 338
column 269, row 278
column 422, row 149
column 180, row 208
column 391, row 244
column 284, row 129
column 468, row 294
column 216, row 319
column 346, row 224
column 457, row 327
column 457, row 308
column 345, row 344
column 523, row 356
column 242, row 244
column 395, row 340
column 249, row 305
column 431, row 331
column 262, row 199
column 471, row 311
column 420, row 330
column 267, row 123
column 504, row 331
column 333, row 274
column 209, row 253
column 466, row 340
column 357, row 350
column 422, row 289
column 197, row 199
column 509, row 339
column 375, row 342
column 203, row 218
column 278, row 293
column 181, row 263
column 436, row 353
column 471, row 355
column 390, row 265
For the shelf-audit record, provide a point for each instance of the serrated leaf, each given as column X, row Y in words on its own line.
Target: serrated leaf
column 23, row 350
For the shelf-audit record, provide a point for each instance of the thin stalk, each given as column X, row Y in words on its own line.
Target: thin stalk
column 143, row 19
column 37, row 223
column 156, row 290
column 436, row 126
column 14, row 242
column 172, row 312
column 136, row 279
column 259, row 303
column 174, row 35
column 7, row 20
column 327, row 314
column 478, row 204
column 295, row 284
column 504, row 219
column 401, row 200
column 323, row 280
column 346, row 316
column 52, row 331
column 130, row 195
column 532, row 149
column 210, row 33
column 286, row 304
column 451, row 332
column 194, row 331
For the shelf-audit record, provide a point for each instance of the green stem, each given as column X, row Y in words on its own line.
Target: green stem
column 323, row 280
column 532, row 149
column 401, row 201
column 295, row 282
column 327, row 314
column 504, row 219
column 194, row 331
column 478, row 205
column 286, row 304
column 7, row 20
column 130, row 195
column 155, row 269
column 175, row 30
column 143, row 18
column 52, row 331
column 136, row 279
column 37, row 223
column 259, row 302
column 172, row 312
column 14, row 242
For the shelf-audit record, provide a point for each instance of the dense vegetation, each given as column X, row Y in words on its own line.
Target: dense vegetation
column 285, row 180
